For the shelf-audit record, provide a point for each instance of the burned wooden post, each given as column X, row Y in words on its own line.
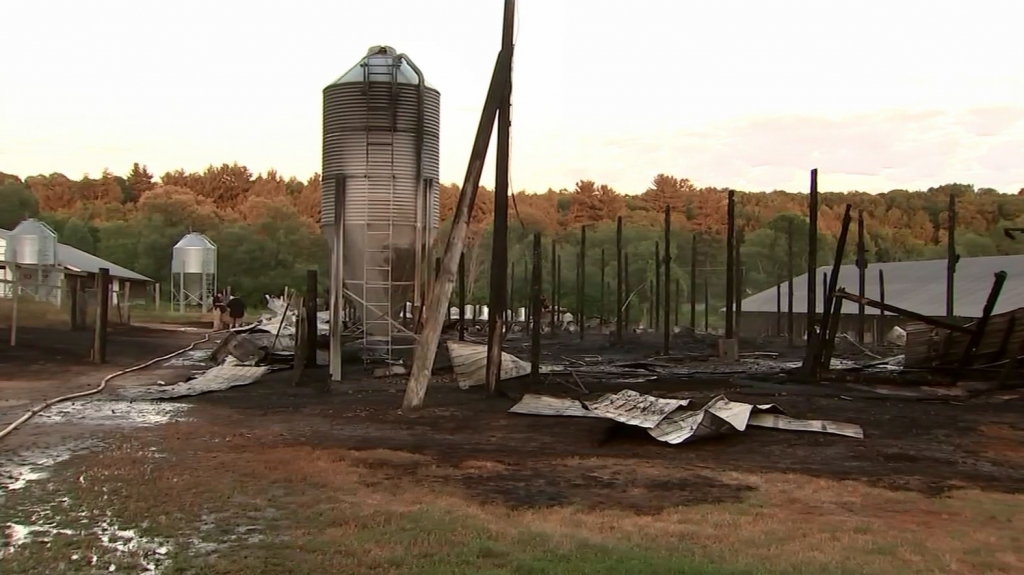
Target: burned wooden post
column 462, row 297
column 499, row 245
column 652, row 313
column 693, row 283
column 812, row 257
column 982, row 323
column 554, row 286
column 951, row 257
column 778, row 309
column 832, row 330
column 619, row 279
column 311, row 332
column 603, row 306
column 707, row 304
column 881, row 298
column 790, row 323
column 511, row 294
column 668, row 280
column 862, row 275
column 576, row 296
column 535, row 290
column 739, row 284
column 656, row 296
column 730, row 262
column 625, row 272
column 558, row 288
column 833, row 284
column 678, row 303
column 73, row 297
column 727, row 347
column 427, row 344
column 99, row 346
column 582, row 305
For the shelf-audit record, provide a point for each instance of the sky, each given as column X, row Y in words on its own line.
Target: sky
column 731, row 93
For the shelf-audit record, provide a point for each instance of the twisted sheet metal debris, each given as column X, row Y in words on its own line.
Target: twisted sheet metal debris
column 216, row 379
column 633, row 408
column 677, row 425
column 469, row 362
column 536, row 404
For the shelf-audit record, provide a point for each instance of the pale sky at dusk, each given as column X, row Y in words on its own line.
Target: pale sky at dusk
column 746, row 94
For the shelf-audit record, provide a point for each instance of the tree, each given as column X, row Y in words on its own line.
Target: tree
column 77, row 235
column 140, row 181
column 17, row 203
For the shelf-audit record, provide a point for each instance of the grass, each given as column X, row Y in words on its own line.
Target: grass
column 231, row 502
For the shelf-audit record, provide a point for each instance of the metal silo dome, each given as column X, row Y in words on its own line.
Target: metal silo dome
column 32, row 242
column 193, row 272
column 381, row 145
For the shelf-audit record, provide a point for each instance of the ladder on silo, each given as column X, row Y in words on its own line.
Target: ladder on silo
column 378, row 257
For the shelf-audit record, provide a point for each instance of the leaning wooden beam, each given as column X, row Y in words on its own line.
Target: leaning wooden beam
column 832, row 285
column 885, row 307
column 426, row 345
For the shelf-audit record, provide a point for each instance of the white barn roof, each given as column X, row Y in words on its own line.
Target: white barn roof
column 917, row 286
column 77, row 260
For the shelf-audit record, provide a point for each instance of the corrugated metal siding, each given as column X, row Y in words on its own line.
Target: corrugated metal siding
column 357, row 133
column 916, row 286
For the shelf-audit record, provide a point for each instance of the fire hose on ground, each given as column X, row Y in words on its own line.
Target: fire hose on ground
column 103, row 384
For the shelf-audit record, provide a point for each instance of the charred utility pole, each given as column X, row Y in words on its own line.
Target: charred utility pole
column 951, row 257
column 554, row 286
column 535, row 312
column 693, row 283
column 427, row 344
column 656, row 296
column 790, row 327
column 667, row 320
column 462, row 297
column 812, row 257
column 862, row 277
column 618, row 280
column 499, row 247
column 583, row 281
column 730, row 265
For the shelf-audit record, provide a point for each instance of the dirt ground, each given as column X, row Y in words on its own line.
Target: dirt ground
column 934, row 487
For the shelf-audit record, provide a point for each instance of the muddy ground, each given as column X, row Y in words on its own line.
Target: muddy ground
column 924, row 446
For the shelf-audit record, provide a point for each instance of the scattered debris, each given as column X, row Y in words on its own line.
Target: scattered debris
column 666, row 420
column 469, row 361
column 632, row 408
column 216, row 379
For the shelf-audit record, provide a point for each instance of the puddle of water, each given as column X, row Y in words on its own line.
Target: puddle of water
column 114, row 412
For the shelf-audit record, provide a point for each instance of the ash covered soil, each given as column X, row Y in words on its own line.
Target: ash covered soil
column 467, row 439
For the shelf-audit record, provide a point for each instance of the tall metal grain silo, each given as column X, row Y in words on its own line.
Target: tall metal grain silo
column 381, row 154
column 193, row 272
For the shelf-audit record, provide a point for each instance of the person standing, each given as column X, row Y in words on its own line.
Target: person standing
column 219, row 309
column 236, row 310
